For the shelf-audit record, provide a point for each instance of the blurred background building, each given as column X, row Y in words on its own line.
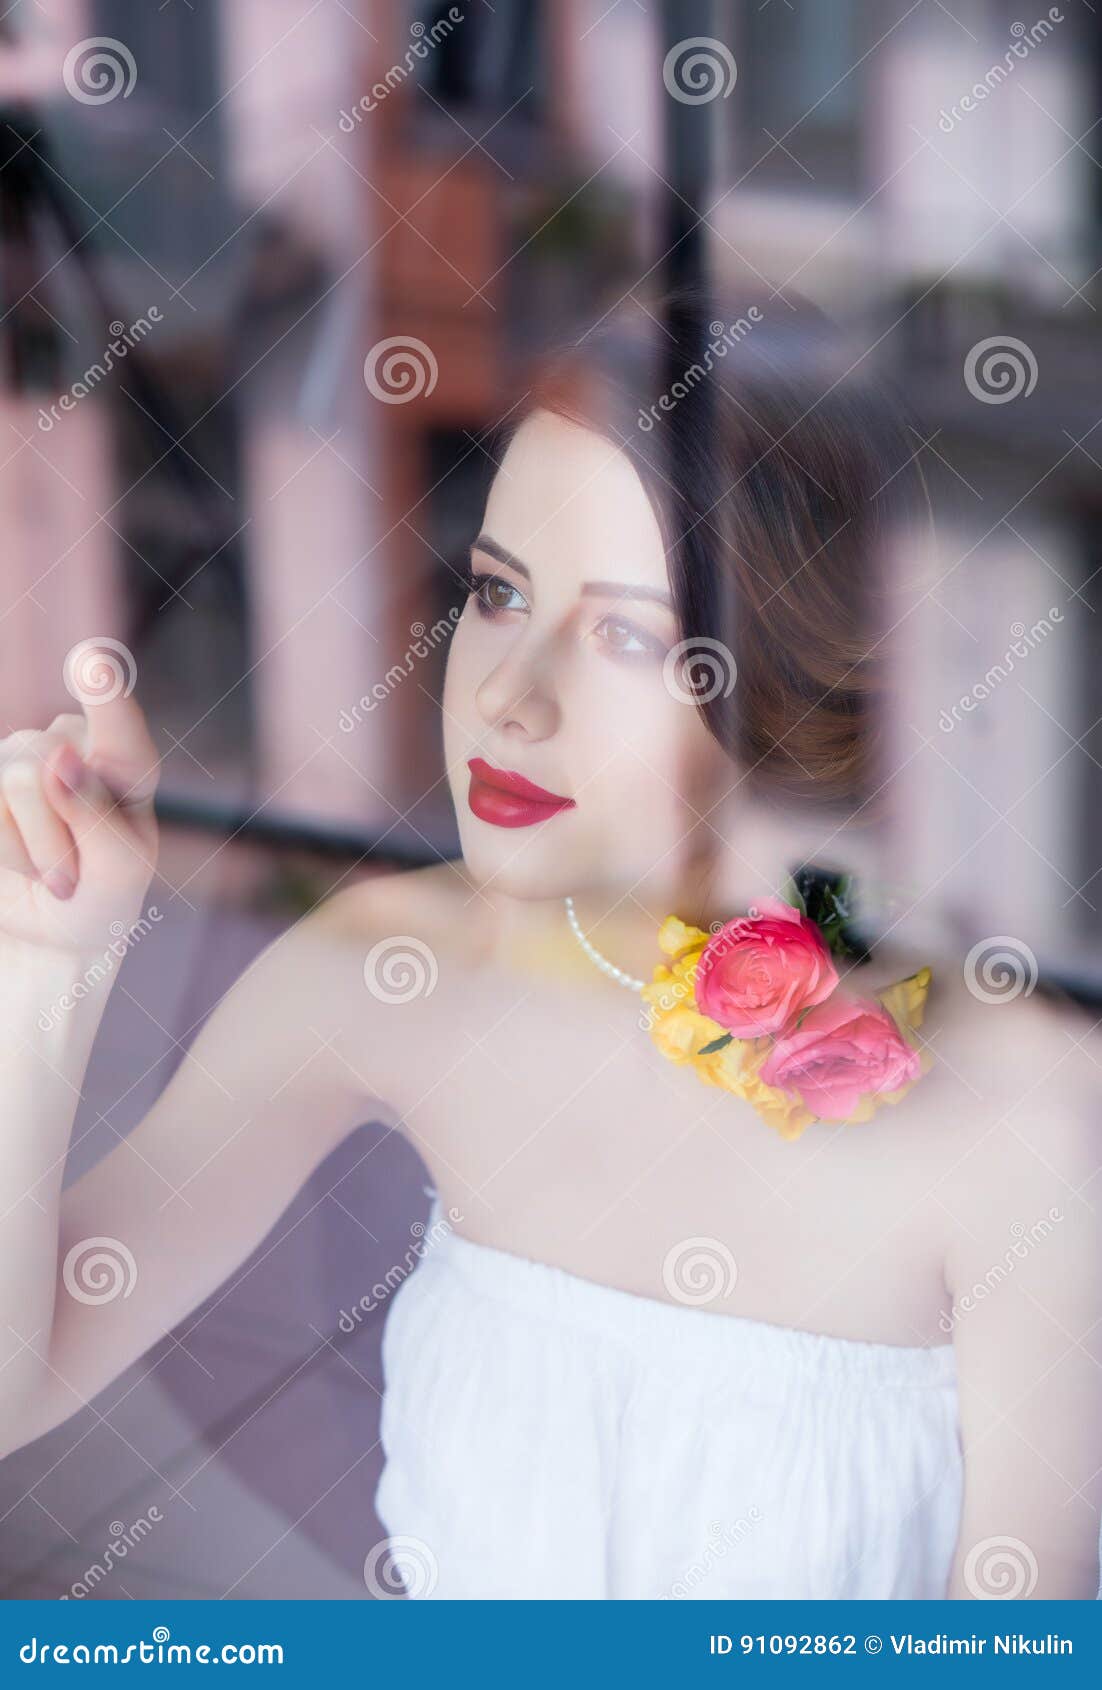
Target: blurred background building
column 324, row 232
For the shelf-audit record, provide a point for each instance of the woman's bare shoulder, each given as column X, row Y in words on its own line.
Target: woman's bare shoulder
column 377, row 971
column 1017, row 1042
column 438, row 905
column 1011, row 1108
column 1030, row 1157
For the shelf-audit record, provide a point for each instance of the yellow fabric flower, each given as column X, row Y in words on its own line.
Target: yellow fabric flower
column 906, row 1000
column 681, row 1033
column 676, row 937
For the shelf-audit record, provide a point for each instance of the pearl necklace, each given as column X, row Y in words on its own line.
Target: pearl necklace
column 621, row 977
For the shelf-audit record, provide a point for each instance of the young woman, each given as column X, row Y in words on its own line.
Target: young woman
column 821, row 1326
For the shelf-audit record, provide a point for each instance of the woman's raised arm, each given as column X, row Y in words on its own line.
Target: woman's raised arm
column 90, row 1279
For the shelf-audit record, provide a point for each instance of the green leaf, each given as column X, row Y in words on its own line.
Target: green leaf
column 842, row 896
column 792, row 895
column 716, row 1044
column 828, row 902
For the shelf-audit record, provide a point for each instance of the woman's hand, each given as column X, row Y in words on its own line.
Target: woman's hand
column 78, row 836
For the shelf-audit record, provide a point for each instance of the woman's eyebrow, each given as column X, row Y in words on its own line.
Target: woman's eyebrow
column 624, row 590
column 597, row 589
column 492, row 549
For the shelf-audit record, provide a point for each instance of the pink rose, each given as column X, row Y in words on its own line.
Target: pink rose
column 840, row 1052
column 759, row 971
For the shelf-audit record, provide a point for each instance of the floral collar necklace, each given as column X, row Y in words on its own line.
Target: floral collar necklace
column 756, row 1008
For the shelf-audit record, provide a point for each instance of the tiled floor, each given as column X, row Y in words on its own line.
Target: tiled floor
column 252, row 1431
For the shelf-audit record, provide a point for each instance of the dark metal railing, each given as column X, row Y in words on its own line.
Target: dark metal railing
column 230, row 820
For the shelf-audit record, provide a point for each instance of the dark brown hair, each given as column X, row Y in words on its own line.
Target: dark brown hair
column 777, row 471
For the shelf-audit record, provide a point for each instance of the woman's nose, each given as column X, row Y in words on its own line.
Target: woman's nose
column 520, row 694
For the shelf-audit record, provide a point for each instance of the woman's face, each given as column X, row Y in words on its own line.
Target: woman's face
column 591, row 766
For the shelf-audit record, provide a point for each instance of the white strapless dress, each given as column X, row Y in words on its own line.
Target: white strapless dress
column 549, row 1437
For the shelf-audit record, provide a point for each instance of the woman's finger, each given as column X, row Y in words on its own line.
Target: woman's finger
column 101, row 829
column 13, row 854
column 46, row 839
column 119, row 746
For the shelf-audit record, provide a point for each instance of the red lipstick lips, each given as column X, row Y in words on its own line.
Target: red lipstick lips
column 505, row 799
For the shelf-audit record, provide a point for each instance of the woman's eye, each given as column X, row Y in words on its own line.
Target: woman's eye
column 493, row 594
column 624, row 639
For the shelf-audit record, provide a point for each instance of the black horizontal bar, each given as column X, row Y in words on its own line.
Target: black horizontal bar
column 261, row 827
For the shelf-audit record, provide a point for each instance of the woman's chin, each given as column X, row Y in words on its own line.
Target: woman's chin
column 530, row 869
